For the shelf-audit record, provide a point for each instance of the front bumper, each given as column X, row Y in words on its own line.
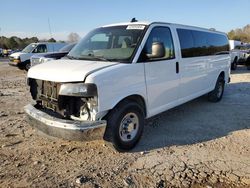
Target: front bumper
column 62, row 128
column 13, row 63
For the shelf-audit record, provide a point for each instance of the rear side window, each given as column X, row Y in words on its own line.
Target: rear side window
column 200, row 43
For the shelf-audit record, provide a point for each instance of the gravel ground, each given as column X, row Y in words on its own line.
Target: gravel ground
column 198, row 144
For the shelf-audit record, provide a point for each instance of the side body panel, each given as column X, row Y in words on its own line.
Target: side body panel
column 118, row 82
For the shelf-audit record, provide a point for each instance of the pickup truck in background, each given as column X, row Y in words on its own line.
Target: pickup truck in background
column 237, row 53
column 22, row 59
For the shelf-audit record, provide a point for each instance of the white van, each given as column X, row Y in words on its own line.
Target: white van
column 120, row 74
column 22, row 59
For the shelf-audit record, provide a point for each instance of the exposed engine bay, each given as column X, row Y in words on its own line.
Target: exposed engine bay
column 48, row 99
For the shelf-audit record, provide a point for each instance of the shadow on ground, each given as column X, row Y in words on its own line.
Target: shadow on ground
column 199, row 120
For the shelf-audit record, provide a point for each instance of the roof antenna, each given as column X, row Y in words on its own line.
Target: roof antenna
column 134, row 20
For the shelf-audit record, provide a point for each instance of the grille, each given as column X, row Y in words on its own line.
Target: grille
column 49, row 95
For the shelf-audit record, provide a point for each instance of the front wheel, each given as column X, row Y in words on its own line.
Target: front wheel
column 217, row 93
column 125, row 125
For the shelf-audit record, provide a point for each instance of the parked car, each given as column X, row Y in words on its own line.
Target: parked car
column 6, row 52
column 237, row 53
column 1, row 52
column 247, row 55
column 123, row 73
column 22, row 59
column 42, row 58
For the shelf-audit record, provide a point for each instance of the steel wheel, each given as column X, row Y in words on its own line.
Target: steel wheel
column 129, row 127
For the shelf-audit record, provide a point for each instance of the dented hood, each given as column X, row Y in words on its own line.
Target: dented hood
column 66, row 70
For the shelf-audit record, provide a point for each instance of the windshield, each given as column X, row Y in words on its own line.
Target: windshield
column 67, row 48
column 116, row 43
column 29, row 48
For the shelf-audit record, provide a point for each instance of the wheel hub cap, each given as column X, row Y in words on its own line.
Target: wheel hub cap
column 129, row 127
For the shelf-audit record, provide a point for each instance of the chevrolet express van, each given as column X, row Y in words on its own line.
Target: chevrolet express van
column 119, row 75
column 22, row 59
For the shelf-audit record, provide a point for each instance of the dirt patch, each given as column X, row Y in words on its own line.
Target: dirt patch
column 198, row 144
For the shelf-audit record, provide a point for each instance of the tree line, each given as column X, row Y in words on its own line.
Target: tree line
column 19, row 43
column 241, row 34
column 15, row 43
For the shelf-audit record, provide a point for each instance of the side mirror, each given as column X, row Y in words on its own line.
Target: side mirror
column 158, row 50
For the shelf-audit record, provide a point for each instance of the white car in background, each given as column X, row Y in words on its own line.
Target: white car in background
column 22, row 59
column 237, row 53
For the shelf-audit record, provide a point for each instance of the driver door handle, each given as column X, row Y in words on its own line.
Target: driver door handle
column 177, row 67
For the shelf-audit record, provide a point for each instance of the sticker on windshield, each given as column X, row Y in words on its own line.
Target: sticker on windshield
column 139, row 27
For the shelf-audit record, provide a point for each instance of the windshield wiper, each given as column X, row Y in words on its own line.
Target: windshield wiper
column 72, row 57
column 99, row 58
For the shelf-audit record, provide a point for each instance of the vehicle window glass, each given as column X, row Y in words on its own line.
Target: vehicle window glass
column 99, row 41
column 29, row 48
column 113, row 43
column 40, row 49
column 200, row 43
column 186, row 42
column 162, row 35
column 67, row 48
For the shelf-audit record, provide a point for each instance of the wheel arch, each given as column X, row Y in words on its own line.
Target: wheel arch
column 136, row 98
column 222, row 74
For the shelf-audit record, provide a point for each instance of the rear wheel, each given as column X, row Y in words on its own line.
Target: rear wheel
column 217, row 93
column 124, row 125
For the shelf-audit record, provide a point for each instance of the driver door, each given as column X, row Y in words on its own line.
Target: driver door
column 161, row 74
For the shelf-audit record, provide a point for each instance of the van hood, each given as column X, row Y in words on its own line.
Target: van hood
column 17, row 54
column 66, row 70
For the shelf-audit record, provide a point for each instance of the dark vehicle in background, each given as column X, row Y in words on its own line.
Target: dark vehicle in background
column 45, row 57
column 1, row 52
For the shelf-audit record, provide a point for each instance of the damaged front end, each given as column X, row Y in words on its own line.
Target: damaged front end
column 75, row 104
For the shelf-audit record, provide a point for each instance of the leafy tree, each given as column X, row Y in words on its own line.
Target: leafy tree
column 73, row 37
column 51, row 40
column 240, row 34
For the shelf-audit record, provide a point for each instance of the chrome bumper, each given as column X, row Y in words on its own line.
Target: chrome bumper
column 67, row 129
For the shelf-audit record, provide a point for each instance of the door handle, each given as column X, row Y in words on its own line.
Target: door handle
column 177, row 67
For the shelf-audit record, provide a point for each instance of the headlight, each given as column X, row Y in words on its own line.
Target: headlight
column 44, row 59
column 78, row 90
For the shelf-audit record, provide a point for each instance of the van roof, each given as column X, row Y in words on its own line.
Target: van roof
column 174, row 24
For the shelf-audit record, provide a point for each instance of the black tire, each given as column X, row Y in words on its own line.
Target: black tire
column 115, row 130
column 234, row 64
column 217, row 93
column 27, row 66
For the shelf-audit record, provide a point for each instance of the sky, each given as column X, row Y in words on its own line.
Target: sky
column 29, row 18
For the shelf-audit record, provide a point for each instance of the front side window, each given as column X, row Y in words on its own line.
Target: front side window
column 160, row 35
column 114, row 43
column 40, row 49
